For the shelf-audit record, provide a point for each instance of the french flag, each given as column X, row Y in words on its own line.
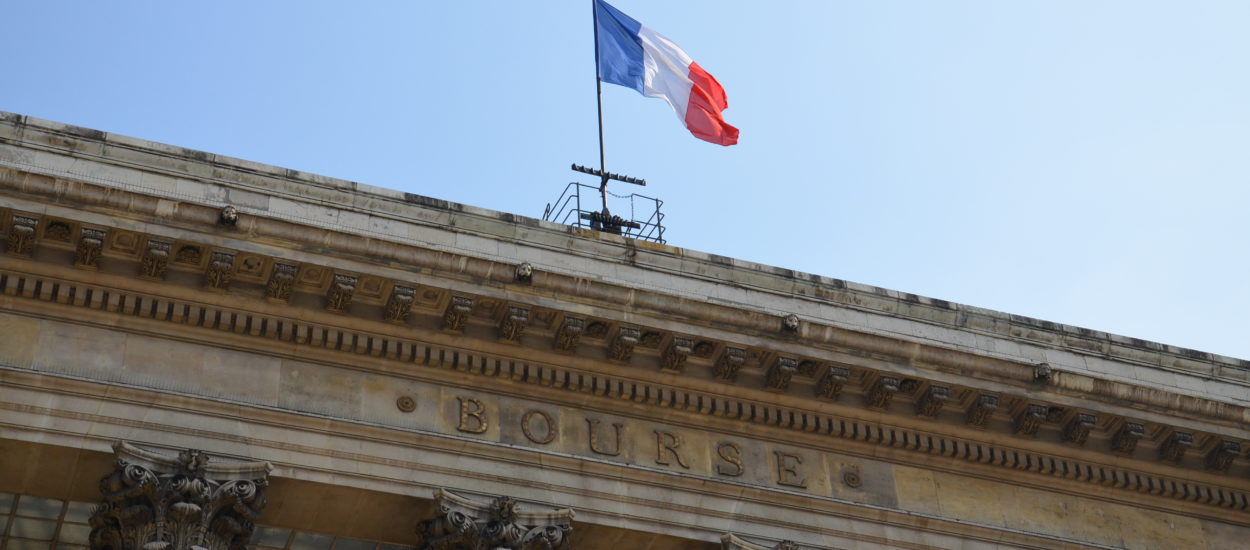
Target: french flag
column 637, row 57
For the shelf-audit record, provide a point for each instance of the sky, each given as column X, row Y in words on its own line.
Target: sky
column 1080, row 162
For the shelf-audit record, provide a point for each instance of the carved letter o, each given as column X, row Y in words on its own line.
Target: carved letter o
column 529, row 434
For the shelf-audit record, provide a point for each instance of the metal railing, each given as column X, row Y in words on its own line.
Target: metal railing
column 570, row 210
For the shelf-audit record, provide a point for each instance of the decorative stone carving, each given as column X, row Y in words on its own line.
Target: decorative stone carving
column 931, row 402
column 730, row 361
column 513, row 324
column 57, row 231
column 650, row 339
column 732, row 542
column 908, row 386
column 229, row 216
column 596, row 329
column 457, row 313
column 1077, row 429
column 462, row 524
column 790, row 324
column 525, row 272
column 979, row 412
column 777, row 379
column 188, row 254
column 1175, row 447
column 1030, row 420
column 1125, row 440
column 339, row 296
column 1221, row 456
column 90, row 245
column 154, row 502
column 281, row 283
column 674, row 357
column 622, row 347
column 1041, row 373
column 399, row 304
column 155, row 260
column 881, row 392
column 220, row 271
column 831, row 382
column 569, row 333
column 22, row 235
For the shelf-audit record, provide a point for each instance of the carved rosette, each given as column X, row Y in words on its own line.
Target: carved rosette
column 154, row 502
column 1175, row 446
column 930, row 404
column 463, row 524
column 155, row 260
column 220, row 271
column 1077, row 429
column 778, row 377
column 832, row 381
column 1221, row 456
column 674, row 357
column 399, row 304
column 622, row 347
column 513, row 324
column 729, row 363
column 1125, row 440
column 1030, row 420
column 457, row 313
column 281, row 283
column 339, row 296
column 881, row 392
column 569, row 333
column 87, row 253
column 981, row 409
column 22, row 235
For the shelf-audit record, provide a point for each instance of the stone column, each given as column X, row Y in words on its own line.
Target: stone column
column 463, row 524
column 155, row 502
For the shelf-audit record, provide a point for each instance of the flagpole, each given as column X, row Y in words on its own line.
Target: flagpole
column 603, row 181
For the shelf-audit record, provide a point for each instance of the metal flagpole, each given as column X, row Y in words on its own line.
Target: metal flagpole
column 603, row 169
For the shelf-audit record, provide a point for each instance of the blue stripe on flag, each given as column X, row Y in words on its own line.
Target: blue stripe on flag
column 620, row 49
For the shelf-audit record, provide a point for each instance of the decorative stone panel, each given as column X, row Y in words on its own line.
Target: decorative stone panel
column 1221, row 456
column 1030, row 420
column 457, row 313
column 220, row 271
column 281, row 282
column 881, row 392
column 155, row 260
column 778, row 377
column 979, row 412
column 622, row 347
column 569, row 333
column 339, row 295
column 512, row 326
column 399, row 304
column 1077, row 430
column 22, row 235
column 154, row 502
column 1125, row 440
column 90, row 245
column 674, row 357
column 832, row 381
column 1175, row 446
column 462, row 524
column 930, row 404
column 730, row 361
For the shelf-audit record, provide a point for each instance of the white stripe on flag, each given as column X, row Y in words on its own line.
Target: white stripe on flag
column 666, row 71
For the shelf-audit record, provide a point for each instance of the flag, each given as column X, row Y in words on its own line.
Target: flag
column 637, row 57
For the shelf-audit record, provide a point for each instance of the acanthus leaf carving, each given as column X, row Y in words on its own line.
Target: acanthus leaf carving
column 457, row 313
column 1030, row 419
column 729, row 363
column 220, row 271
column 399, row 304
column 931, row 402
column 22, row 235
column 882, row 392
column 569, row 333
column 155, row 260
column 156, row 502
column 1077, row 430
column 832, row 381
column 90, row 245
column 622, row 347
column 512, row 326
column 1222, row 454
column 339, row 295
column 1125, row 440
column 777, row 379
column 462, row 524
column 281, row 283
column 1175, row 447
column 674, row 357
column 979, row 412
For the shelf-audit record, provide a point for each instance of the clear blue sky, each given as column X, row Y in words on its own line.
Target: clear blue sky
column 1081, row 162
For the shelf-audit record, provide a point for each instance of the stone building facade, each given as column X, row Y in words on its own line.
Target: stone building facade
column 205, row 352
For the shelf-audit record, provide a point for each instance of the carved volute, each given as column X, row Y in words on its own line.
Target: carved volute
column 154, row 502
column 463, row 524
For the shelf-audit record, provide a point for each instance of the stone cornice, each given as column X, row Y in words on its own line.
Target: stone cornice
column 384, row 214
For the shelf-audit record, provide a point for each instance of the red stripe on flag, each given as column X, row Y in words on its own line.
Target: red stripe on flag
column 707, row 100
